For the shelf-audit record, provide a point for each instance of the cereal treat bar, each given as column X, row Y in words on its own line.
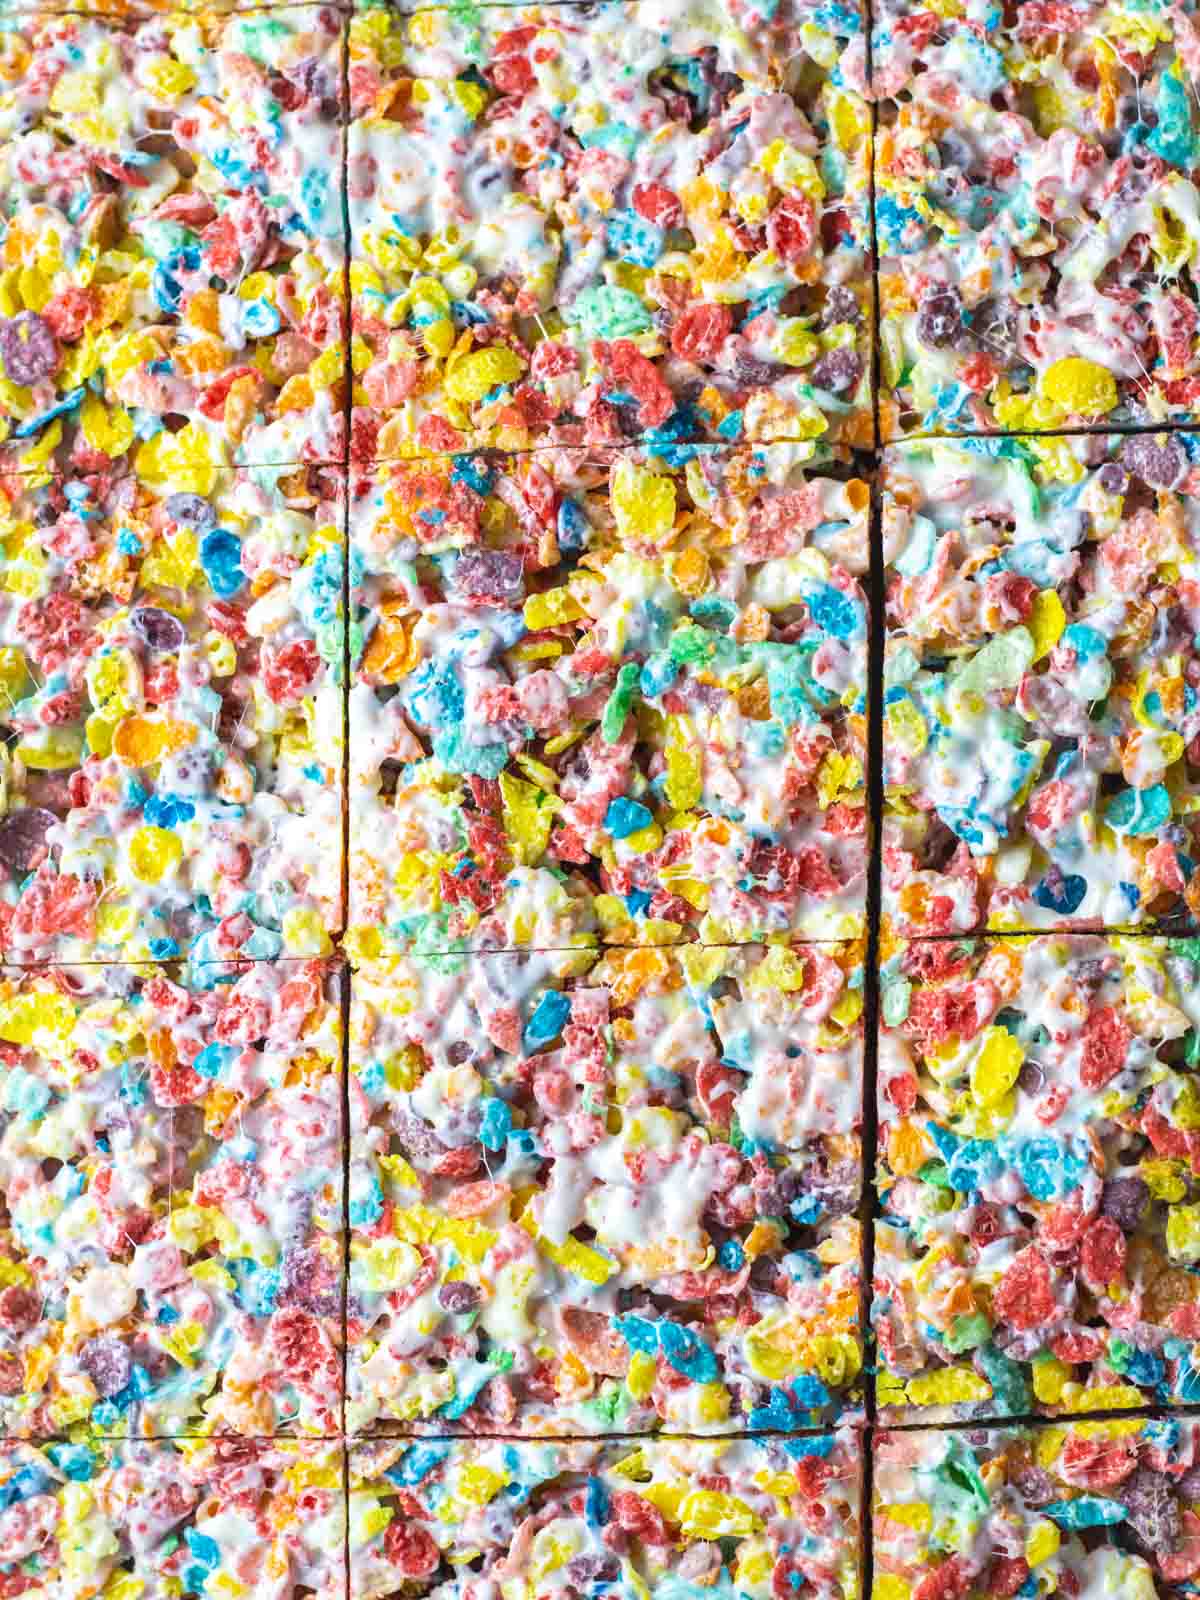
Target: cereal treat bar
column 171, row 1176
column 1037, row 217
column 91, row 1518
column 1087, row 1509
column 758, row 1518
column 589, row 224
column 172, row 241
column 606, row 1193
column 1041, row 709
column 1039, row 1132
column 171, row 714
column 616, row 698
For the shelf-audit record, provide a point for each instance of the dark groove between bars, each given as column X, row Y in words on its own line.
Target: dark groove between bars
column 855, row 1424
column 347, row 327
column 868, row 458
column 876, row 618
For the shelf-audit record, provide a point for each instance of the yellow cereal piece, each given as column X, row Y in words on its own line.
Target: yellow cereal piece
column 52, row 751
column 304, row 932
column 640, row 1378
column 1117, row 1397
column 906, row 726
column 40, row 1018
column 108, row 430
column 1082, row 388
column 168, row 78
column 479, row 1485
column 573, row 1255
column 712, row 1402
column 154, row 853
column 124, row 1587
column 710, row 1515
column 529, row 814
column 1042, row 1542
column 914, row 1514
column 474, row 376
column 1164, row 1178
column 950, row 1386
column 642, row 503
column 685, row 781
column 552, row 608
column 1049, row 1376
column 996, row 1067
column 753, row 1567
column 1183, row 1233
column 1047, row 619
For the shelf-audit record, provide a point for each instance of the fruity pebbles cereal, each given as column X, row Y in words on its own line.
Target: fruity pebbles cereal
column 756, row 1518
column 606, row 1192
column 171, row 709
column 600, row 800
column 1041, row 682
column 186, row 1519
column 1039, row 1176
column 615, row 699
column 1087, row 1509
column 171, row 1177
column 1037, row 215
column 613, row 221
column 173, row 257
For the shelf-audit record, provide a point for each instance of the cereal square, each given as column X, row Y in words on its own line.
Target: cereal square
column 189, row 1518
column 1041, row 682
column 171, row 662
column 1088, row 1508
column 1039, row 1176
column 615, row 698
column 171, row 1161
column 1036, row 215
column 625, row 220
column 753, row 1517
column 606, row 1193
column 172, row 241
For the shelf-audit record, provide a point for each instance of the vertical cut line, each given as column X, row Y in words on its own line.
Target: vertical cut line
column 871, row 988
column 344, row 975
column 347, row 486
column 875, row 708
column 868, row 1209
column 871, row 1003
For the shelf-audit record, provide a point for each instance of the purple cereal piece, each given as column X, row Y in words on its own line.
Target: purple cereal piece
column 193, row 509
column 939, row 318
column 458, row 1297
column 158, row 629
column 23, row 838
column 841, row 305
column 838, row 371
column 107, row 1362
column 490, row 575
column 29, row 348
column 1153, row 1511
column 1124, row 1200
column 1160, row 466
